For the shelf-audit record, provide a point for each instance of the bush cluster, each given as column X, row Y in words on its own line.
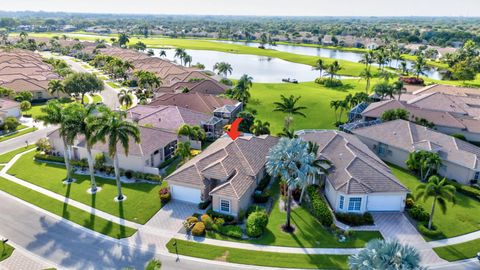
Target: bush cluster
column 198, row 229
column 255, row 208
column 261, row 196
column 327, row 82
column 466, row 190
column 318, row 207
column 412, row 80
column 164, row 194
column 256, row 223
column 213, row 214
column 418, row 213
column 231, row 231
column 423, row 229
column 355, row 219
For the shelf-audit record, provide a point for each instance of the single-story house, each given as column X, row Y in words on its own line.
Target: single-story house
column 155, row 147
column 393, row 141
column 9, row 108
column 225, row 173
column 358, row 180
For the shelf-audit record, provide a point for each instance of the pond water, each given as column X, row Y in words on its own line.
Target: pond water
column 261, row 68
column 330, row 53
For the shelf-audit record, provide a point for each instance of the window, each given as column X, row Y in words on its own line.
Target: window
column 382, row 149
column 342, row 199
column 225, row 206
column 477, row 176
column 354, row 204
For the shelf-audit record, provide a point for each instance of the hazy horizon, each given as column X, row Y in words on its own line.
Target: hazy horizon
column 321, row 8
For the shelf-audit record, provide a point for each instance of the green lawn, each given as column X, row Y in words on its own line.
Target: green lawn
column 36, row 110
column 142, row 199
column 6, row 157
column 5, row 251
column 309, row 233
column 97, row 98
column 457, row 252
column 260, row 258
column 66, row 211
column 313, row 96
column 17, row 134
column 459, row 219
column 113, row 85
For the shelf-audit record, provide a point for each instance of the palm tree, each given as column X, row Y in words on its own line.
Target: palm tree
column 163, row 53
column 23, row 35
column 123, row 39
column 367, row 76
column 183, row 151
column 288, row 106
column 288, row 160
column 335, row 105
column 125, row 98
column 179, row 52
column 385, row 254
column 260, row 128
column 440, row 191
column 287, row 133
column 423, row 161
column 111, row 127
column 187, row 59
column 333, row 68
column 319, row 65
column 53, row 114
column 77, row 119
column 318, row 165
column 403, row 68
column 368, row 59
column 148, row 80
column 419, row 66
column 223, row 68
column 241, row 91
column 192, row 132
column 55, row 87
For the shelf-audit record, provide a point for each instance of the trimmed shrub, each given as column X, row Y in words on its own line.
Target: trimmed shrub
column 192, row 220
column 418, row 213
column 318, row 207
column 327, row 82
column 128, row 174
column 255, row 208
column 256, row 223
column 208, row 221
column 423, row 229
column 409, row 203
column 355, row 219
column 261, row 197
column 219, row 221
column 198, row 229
column 213, row 214
column 231, row 231
column 203, row 205
column 466, row 190
column 164, row 194
column 49, row 158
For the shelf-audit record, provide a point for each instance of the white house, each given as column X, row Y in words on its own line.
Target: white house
column 9, row 108
column 358, row 180
column 393, row 141
column 155, row 147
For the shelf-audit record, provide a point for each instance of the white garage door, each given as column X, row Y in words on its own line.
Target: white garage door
column 384, row 203
column 186, row 194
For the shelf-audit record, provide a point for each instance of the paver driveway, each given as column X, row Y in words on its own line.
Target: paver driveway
column 397, row 226
column 171, row 216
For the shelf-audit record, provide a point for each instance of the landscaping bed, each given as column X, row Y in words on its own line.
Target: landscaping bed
column 142, row 198
column 5, row 251
column 260, row 258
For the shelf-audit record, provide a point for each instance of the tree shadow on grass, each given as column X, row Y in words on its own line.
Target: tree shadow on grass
column 121, row 214
column 343, row 88
column 65, row 213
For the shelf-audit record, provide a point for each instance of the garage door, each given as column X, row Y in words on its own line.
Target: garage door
column 186, row 194
column 385, row 203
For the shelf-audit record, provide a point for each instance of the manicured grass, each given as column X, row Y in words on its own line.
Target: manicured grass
column 309, row 233
column 17, row 134
column 86, row 66
column 260, row 258
column 102, row 77
column 36, row 110
column 86, row 100
column 142, row 198
column 173, row 166
column 457, row 252
column 66, row 211
column 113, row 85
column 313, row 96
column 6, row 157
column 5, row 251
column 97, row 98
column 459, row 219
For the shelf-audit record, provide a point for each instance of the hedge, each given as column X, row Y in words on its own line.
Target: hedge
column 256, row 223
column 418, row 213
column 355, row 219
column 213, row 214
column 466, row 190
column 318, row 207
column 231, row 231
column 423, row 229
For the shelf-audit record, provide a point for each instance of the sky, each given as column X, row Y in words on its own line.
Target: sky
column 467, row 8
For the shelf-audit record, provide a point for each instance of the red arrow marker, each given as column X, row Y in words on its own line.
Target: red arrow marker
column 233, row 132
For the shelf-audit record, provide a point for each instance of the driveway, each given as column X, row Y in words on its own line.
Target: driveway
column 171, row 216
column 397, row 226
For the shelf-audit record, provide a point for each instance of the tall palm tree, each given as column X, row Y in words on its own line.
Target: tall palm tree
column 163, row 53
column 385, row 254
column 368, row 59
column 419, row 66
column 111, row 127
column 440, row 191
column 367, row 76
column 333, row 69
column 403, row 68
column 192, row 132
column 123, row 39
column 260, row 128
column 125, row 98
column 288, row 160
column 335, row 105
column 179, row 52
column 55, row 87
column 313, row 170
column 289, row 106
column 223, row 68
column 187, row 59
column 287, row 133
column 319, row 65
column 148, row 80
column 241, row 90
column 53, row 114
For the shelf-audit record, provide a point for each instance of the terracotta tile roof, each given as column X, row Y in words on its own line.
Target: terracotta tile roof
column 6, row 104
column 194, row 101
column 410, row 137
column 233, row 164
column 356, row 169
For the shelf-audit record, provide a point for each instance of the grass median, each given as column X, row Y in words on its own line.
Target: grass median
column 66, row 211
column 6, row 157
column 260, row 258
column 5, row 251
column 461, row 251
